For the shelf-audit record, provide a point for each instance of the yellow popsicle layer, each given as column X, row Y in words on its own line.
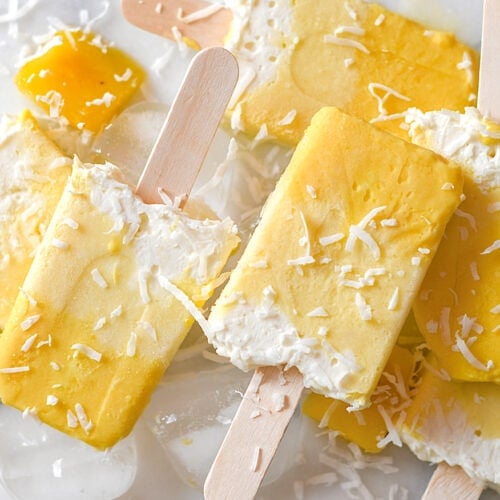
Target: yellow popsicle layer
column 101, row 317
column 33, row 174
column 329, row 276
column 297, row 57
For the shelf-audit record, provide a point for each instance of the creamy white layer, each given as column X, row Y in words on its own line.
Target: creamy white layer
column 449, row 437
column 465, row 138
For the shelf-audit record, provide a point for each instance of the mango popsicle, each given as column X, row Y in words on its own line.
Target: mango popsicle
column 34, row 172
column 125, row 277
column 369, row 62
column 296, row 57
column 326, row 282
column 456, row 422
column 458, row 307
column 116, row 266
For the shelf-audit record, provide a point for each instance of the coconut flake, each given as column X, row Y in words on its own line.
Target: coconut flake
column 364, row 309
column 393, row 302
column 389, row 222
column 71, row 420
column 29, row 298
column 469, row 217
column 279, row 401
column 15, row 369
column 330, row 239
column 99, row 323
column 319, row 312
column 28, row 343
column 366, row 238
column 322, row 331
column 392, row 433
column 186, row 302
column 491, row 248
column 62, row 245
column 83, row 420
column 87, row 351
column 51, row 400
column 116, row 312
column 345, row 42
column 105, row 100
column 199, row 14
column 301, row 261
column 125, row 77
column 30, row 321
column 72, row 223
column 132, row 345
column 474, row 271
column 149, row 328
column 471, row 359
column 288, row 118
column 98, row 278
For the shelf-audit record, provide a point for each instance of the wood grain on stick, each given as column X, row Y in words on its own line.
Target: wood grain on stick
column 162, row 18
column 489, row 71
column 191, row 123
column 452, row 482
column 255, row 434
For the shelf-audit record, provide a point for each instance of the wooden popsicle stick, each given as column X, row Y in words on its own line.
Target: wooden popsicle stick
column 447, row 481
column 452, row 482
column 191, row 123
column 247, row 450
column 162, row 17
column 489, row 71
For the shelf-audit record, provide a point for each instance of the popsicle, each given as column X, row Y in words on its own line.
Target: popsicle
column 104, row 304
column 460, row 301
column 459, row 305
column 34, row 172
column 296, row 57
column 78, row 76
column 456, row 422
column 470, row 139
column 328, row 278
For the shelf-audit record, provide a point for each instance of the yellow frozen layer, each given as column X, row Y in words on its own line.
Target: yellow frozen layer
column 101, row 315
column 33, row 174
column 456, row 422
column 330, row 273
column 297, row 57
column 80, row 77
column 458, row 309
column 369, row 428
